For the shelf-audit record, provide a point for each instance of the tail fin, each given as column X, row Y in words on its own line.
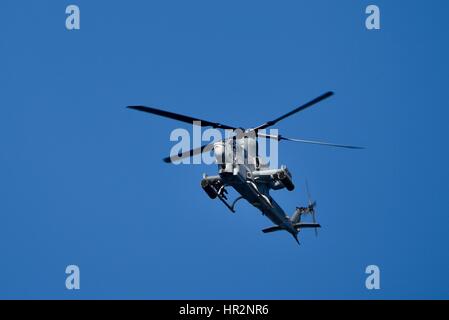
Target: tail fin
column 298, row 226
column 295, row 236
column 303, row 225
column 272, row 229
column 277, row 228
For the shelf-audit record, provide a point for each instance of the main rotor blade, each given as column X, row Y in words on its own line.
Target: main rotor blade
column 190, row 153
column 280, row 138
column 180, row 117
column 301, row 108
column 322, row 143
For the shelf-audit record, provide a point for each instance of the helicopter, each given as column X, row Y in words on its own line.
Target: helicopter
column 241, row 167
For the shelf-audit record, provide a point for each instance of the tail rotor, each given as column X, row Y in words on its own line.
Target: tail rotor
column 311, row 207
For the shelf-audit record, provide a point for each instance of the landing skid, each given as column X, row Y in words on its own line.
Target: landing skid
column 226, row 203
column 216, row 189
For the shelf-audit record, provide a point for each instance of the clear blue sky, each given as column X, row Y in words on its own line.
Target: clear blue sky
column 82, row 181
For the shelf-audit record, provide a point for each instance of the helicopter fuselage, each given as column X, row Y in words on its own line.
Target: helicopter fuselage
column 253, row 182
column 257, row 194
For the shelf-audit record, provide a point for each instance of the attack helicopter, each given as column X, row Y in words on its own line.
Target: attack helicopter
column 241, row 167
